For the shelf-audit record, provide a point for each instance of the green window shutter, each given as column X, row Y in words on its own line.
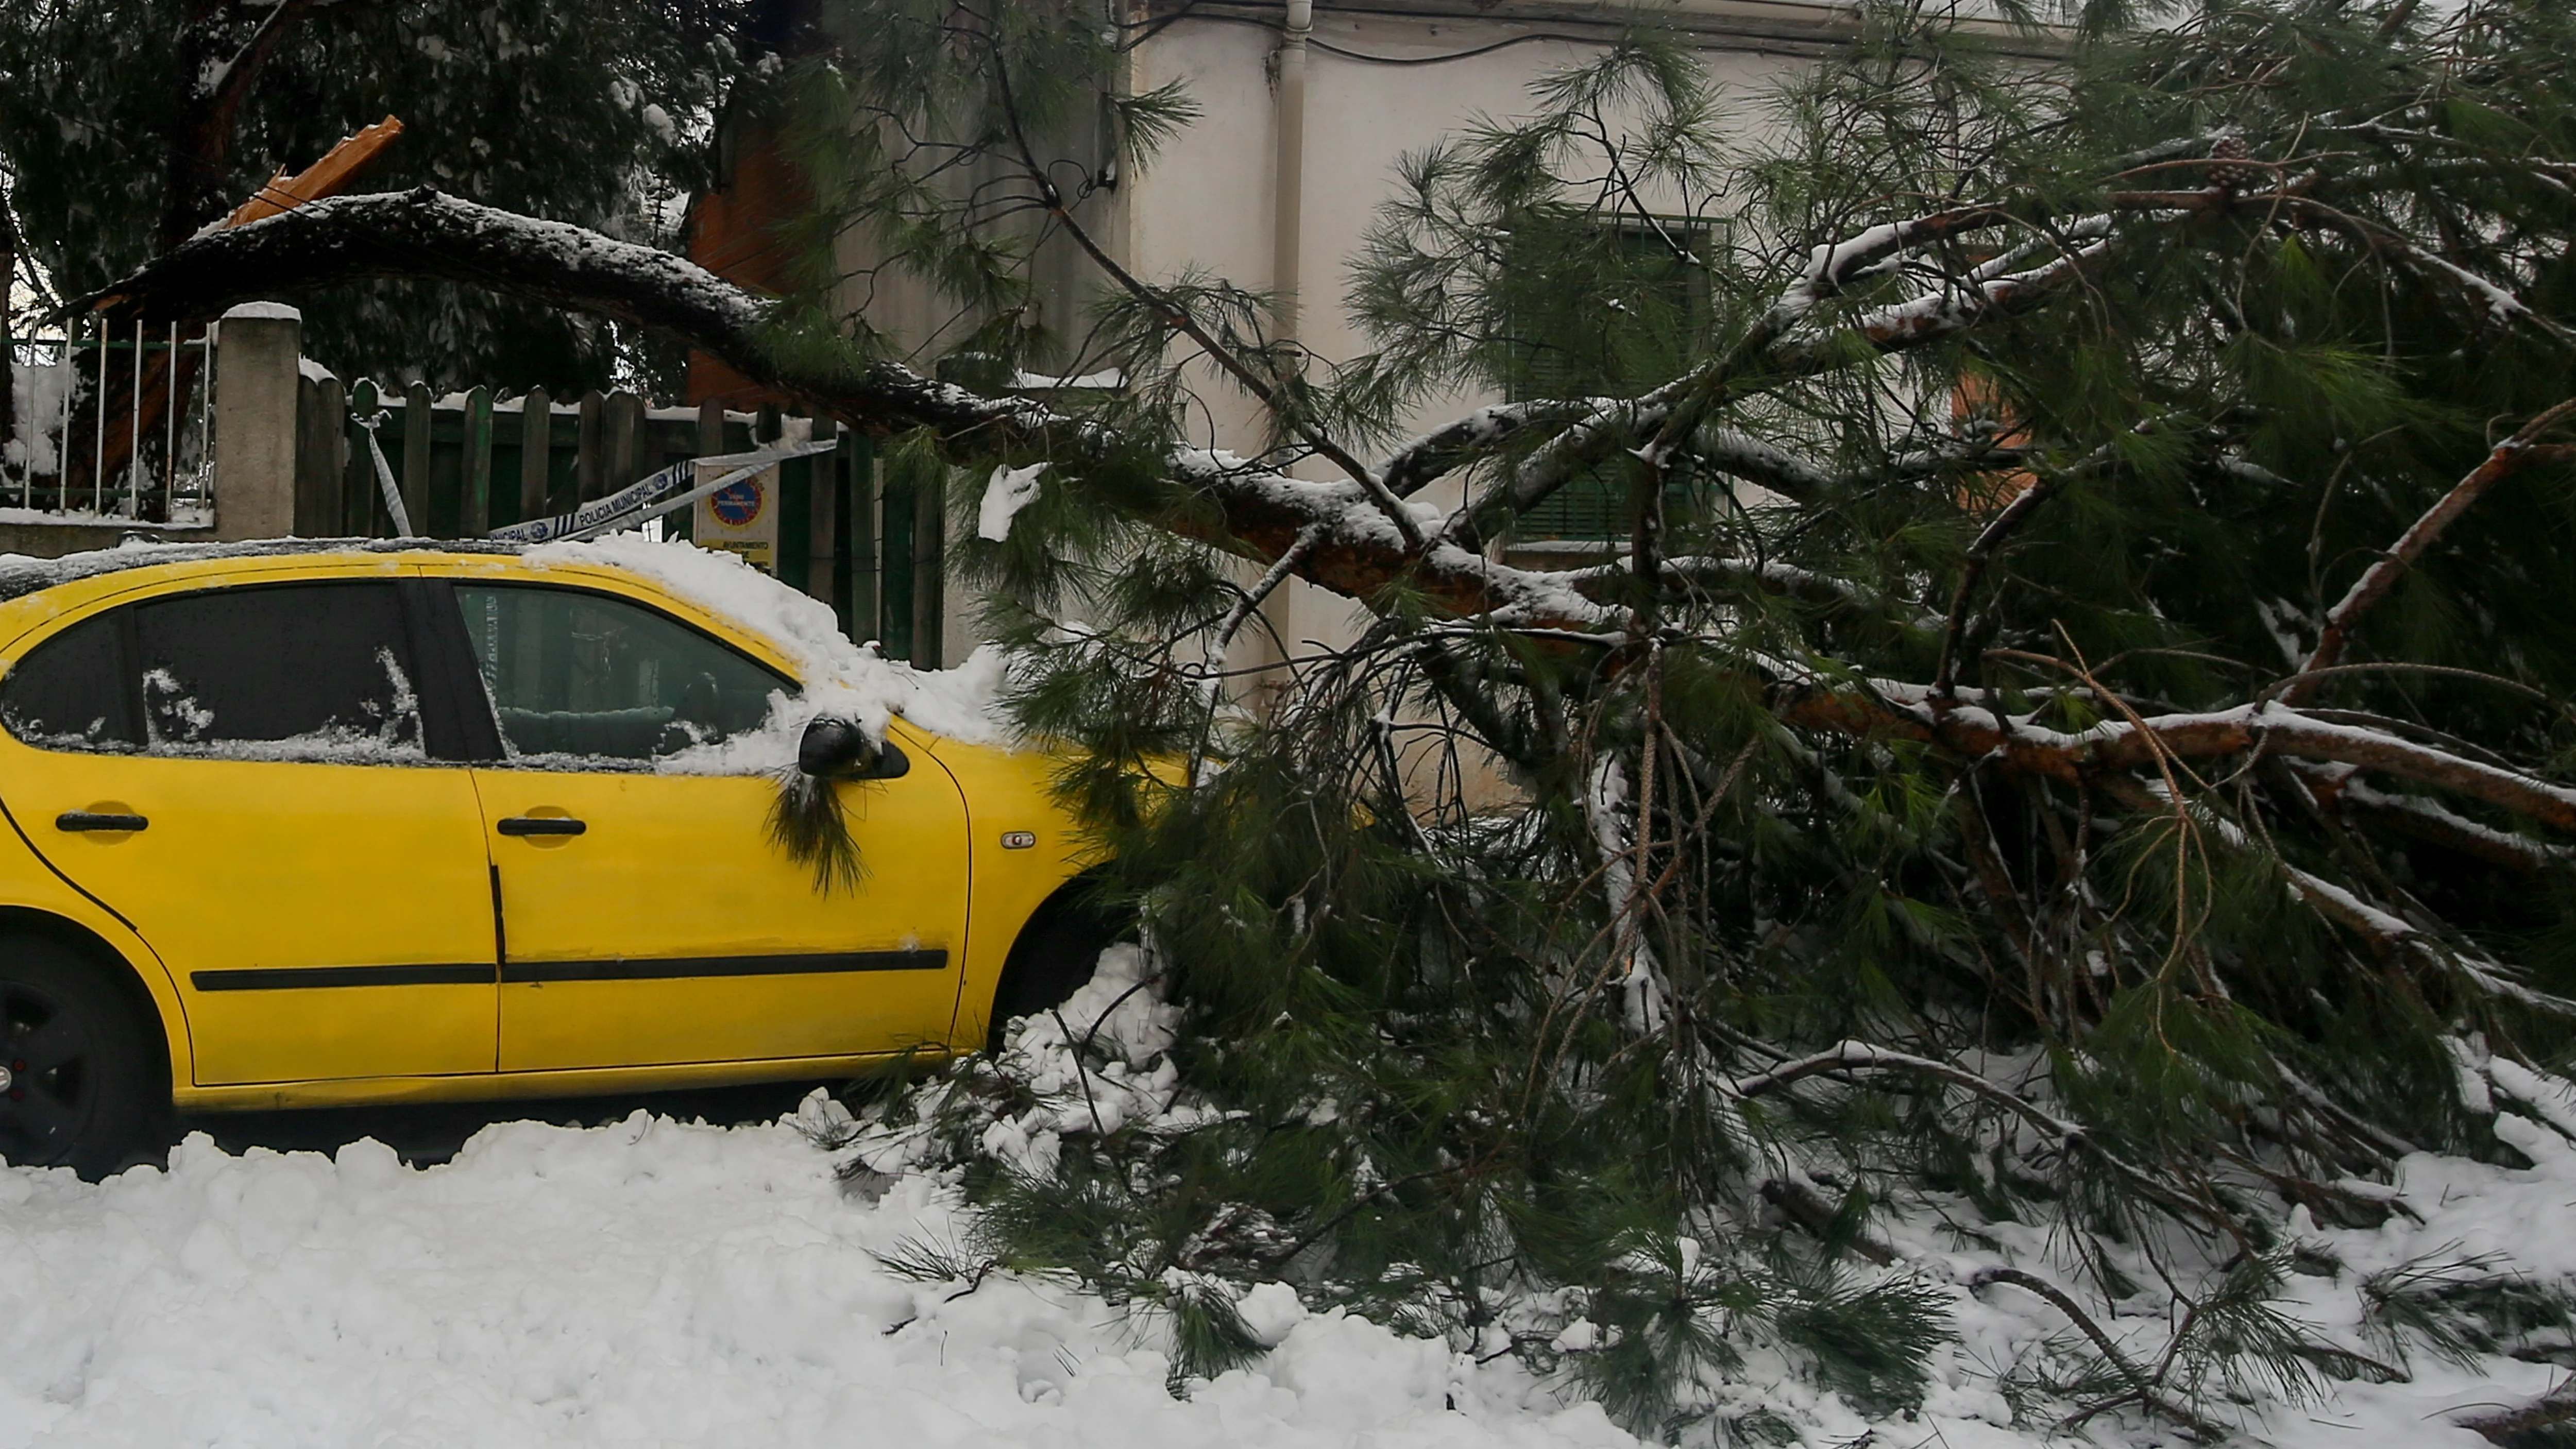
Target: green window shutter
column 1599, row 308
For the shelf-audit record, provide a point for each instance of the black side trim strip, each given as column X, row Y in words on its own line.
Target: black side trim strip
column 296, row 978
column 669, row 968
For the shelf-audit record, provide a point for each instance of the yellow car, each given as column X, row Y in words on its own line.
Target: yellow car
column 305, row 825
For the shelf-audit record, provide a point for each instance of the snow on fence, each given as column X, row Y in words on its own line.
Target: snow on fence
column 111, row 427
column 467, row 463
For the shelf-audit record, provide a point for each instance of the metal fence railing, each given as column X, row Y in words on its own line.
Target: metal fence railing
column 112, row 425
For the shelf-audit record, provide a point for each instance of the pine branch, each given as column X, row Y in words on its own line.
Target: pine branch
column 2429, row 821
column 2394, row 935
column 1741, row 455
column 1453, row 445
column 1275, row 393
column 1861, row 1056
column 2507, row 458
column 1972, row 568
column 1974, row 731
column 2518, row 1426
column 1775, row 350
column 2141, row 1389
column 202, row 129
column 1937, row 316
column 1740, row 575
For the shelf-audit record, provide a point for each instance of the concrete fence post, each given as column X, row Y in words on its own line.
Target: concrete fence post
column 259, row 352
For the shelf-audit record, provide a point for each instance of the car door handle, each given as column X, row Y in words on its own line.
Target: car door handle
column 78, row 820
column 540, row 825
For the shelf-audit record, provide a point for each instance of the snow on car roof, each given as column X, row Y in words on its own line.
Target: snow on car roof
column 841, row 677
column 21, row 575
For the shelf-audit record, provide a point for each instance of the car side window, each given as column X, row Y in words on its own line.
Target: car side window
column 279, row 671
column 71, row 692
column 581, row 676
column 315, row 672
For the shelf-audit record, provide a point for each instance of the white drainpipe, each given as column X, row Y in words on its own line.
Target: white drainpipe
column 1289, row 187
column 1287, row 211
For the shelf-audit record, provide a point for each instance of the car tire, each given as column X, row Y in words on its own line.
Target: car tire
column 85, row 1087
column 1055, row 954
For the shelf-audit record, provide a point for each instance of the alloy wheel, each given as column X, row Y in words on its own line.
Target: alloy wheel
column 45, row 1050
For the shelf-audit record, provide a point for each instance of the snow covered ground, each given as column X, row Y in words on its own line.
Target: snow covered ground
column 657, row 1282
column 646, row 1282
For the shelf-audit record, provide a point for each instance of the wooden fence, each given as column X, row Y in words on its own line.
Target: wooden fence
column 468, row 463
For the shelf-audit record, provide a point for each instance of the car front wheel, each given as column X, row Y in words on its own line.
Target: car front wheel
column 78, row 1085
column 1054, row 956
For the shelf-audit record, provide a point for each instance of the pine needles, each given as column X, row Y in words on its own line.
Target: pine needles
column 808, row 821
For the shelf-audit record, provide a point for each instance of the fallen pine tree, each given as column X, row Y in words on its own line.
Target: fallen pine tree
column 2067, row 723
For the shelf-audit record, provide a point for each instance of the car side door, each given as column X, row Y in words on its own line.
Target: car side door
column 648, row 916
column 248, row 776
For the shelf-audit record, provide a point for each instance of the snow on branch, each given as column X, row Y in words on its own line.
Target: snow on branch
column 1453, row 445
column 1970, row 729
column 1233, row 503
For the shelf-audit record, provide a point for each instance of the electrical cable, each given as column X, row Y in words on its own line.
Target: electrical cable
column 1332, row 49
column 1797, row 44
column 1190, row 13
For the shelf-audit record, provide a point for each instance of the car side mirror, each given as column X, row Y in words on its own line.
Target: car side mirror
column 836, row 749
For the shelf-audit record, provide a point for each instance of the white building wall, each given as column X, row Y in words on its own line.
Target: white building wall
column 1207, row 203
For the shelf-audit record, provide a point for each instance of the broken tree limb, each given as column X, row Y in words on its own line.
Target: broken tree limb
column 1909, row 712
column 1228, row 502
column 1257, row 511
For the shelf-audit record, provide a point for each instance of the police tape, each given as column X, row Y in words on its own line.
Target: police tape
column 385, row 471
column 657, row 494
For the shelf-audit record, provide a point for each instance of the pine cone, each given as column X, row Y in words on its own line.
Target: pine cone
column 2227, row 149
